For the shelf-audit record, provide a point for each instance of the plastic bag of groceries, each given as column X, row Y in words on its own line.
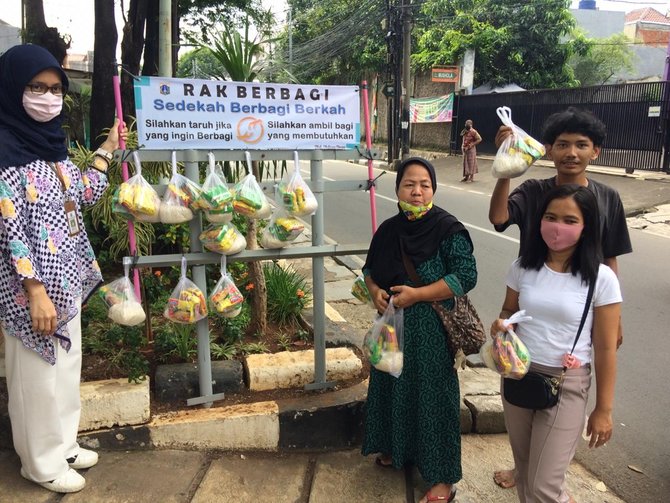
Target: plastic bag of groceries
column 282, row 229
column 180, row 196
column 223, row 238
column 187, row 303
column 216, row 200
column 383, row 344
column 226, row 299
column 296, row 196
column 123, row 306
column 517, row 152
column 136, row 198
column 505, row 353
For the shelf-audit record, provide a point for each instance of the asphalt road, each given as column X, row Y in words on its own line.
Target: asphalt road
column 642, row 438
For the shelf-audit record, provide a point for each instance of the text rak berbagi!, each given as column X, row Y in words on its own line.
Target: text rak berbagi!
column 226, row 95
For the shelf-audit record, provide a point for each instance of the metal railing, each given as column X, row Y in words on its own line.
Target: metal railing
column 317, row 251
column 636, row 117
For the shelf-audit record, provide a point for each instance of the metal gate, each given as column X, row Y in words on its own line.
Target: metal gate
column 636, row 117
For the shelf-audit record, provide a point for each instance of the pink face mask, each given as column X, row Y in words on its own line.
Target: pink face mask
column 42, row 107
column 560, row 236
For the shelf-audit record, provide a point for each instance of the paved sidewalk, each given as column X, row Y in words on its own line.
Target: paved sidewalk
column 328, row 477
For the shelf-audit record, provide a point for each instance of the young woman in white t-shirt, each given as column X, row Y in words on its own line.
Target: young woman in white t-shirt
column 550, row 281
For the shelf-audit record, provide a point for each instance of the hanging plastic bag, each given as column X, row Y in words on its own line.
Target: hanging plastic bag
column 248, row 197
column 216, row 200
column 178, row 197
column 226, row 299
column 518, row 152
column 187, row 303
column 360, row 290
column 119, row 295
column 137, row 197
column 281, row 230
column 505, row 353
column 383, row 344
column 223, row 238
column 296, row 196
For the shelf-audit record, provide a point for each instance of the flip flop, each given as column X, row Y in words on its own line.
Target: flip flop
column 379, row 462
column 452, row 495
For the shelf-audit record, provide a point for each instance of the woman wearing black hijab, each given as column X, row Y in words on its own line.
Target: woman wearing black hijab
column 415, row 418
column 48, row 266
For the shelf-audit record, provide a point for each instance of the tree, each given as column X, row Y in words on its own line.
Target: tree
column 132, row 46
column 336, row 42
column 602, row 60
column 520, row 42
column 37, row 32
column 239, row 61
column 102, row 107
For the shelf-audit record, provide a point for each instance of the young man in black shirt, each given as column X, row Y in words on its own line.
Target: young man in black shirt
column 573, row 138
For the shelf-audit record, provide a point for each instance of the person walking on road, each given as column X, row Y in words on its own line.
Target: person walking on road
column 561, row 265
column 415, row 418
column 573, row 138
column 471, row 139
column 49, row 268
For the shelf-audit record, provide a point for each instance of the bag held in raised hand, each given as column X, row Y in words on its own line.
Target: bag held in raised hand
column 518, row 152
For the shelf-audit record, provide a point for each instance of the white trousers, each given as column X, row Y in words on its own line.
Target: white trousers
column 44, row 404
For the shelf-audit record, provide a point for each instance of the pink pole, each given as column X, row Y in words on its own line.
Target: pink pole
column 124, row 175
column 368, row 144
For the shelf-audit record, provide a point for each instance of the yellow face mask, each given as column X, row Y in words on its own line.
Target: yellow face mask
column 414, row 212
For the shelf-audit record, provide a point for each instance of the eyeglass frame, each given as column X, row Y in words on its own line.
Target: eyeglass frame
column 63, row 89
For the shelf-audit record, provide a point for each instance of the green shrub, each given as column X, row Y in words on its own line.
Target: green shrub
column 119, row 346
column 176, row 340
column 233, row 329
column 288, row 294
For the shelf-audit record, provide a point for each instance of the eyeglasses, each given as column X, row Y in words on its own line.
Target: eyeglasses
column 40, row 88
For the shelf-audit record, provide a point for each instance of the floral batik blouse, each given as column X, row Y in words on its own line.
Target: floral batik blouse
column 35, row 242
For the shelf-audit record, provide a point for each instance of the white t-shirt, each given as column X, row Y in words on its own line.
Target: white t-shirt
column 556, row 300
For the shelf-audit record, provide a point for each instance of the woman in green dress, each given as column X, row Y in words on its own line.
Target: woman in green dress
column 415, row 418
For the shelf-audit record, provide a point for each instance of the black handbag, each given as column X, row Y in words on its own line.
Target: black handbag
column 540, row 391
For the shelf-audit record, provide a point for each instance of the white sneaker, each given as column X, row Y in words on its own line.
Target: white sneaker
column 84, row 459
column 71, row 482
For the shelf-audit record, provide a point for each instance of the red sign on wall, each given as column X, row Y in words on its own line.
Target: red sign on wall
column 445, row 74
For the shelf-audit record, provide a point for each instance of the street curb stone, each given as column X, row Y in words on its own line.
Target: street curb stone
column 181, row 381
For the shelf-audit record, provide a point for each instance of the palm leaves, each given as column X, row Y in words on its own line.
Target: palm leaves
column 238, row 55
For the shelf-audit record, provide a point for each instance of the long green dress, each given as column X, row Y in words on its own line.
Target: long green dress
column 416, row 418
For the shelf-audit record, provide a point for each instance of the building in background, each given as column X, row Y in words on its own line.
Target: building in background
column 9, row 36
column 648, row 26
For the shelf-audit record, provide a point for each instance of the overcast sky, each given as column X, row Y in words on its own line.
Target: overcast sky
column 78, row 22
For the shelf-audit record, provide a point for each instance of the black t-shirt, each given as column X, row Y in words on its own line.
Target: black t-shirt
column 525, row 203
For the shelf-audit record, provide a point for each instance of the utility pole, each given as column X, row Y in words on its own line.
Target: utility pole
column 165, row 38
column 406, row 76
column 290, row 39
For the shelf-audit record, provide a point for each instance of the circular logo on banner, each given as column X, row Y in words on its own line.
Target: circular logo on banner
column 250, row 130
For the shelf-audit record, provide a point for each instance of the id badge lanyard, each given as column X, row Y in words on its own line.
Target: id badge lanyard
column 69, row 205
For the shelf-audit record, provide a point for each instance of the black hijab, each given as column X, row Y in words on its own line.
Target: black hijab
column 23, row 139
column 420, row 238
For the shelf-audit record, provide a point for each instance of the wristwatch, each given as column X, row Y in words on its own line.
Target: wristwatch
column 100, row 163
column 103, row 153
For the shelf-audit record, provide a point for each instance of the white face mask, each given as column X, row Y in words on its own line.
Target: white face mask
column 42, row 107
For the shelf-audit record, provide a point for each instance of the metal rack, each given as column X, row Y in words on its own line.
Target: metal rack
column 317, row 251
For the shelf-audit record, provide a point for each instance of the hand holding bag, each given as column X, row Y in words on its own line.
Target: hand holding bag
column 465, row 331
column 540, row 391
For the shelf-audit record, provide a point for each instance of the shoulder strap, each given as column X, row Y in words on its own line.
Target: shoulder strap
column 409, row 267
column 589, row 296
